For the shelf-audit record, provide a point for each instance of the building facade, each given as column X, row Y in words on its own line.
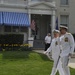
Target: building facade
column 43, row 12
column 66, row 13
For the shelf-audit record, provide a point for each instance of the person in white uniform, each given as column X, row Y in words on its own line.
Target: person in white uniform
column 67, row 43
column 47, row 41
column 55, row 48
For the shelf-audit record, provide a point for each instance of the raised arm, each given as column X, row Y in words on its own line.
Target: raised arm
column 48, row 50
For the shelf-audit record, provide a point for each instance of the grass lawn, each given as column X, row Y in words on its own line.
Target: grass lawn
column 25, row 63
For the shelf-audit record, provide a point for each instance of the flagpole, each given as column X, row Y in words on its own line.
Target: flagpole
column 57, row 27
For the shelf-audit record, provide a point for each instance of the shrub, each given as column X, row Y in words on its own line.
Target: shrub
column 9, row 41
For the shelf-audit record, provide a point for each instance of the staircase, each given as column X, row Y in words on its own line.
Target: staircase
column 38, row 45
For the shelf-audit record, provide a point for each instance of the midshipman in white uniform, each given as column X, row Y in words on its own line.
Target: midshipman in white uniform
column 67, row 43
column 55, row 48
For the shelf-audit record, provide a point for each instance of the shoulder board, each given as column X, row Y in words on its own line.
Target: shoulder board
column 68, row 33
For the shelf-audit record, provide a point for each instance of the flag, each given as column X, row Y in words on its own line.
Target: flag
column 57, row 27
column 32, row 25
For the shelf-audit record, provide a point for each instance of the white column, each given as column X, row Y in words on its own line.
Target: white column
column 30, row 39
column 53, row 21
column 29, row 29
column 29, row 0
column 25, row 38
column 1, row 1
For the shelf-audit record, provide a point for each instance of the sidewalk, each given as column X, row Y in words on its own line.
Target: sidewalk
column 71, row 62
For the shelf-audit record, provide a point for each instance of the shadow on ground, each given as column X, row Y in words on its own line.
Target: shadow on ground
column 15, row 54
column 26, row 55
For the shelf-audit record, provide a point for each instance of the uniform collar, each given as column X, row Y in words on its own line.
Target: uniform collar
column 65, row 33
column 57, row 37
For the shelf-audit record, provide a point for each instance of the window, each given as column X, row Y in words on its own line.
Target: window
column 23, row 29
column 64, row 2
column 15, row 28
column 64, row 20
column 7, row 28
column 1, row 28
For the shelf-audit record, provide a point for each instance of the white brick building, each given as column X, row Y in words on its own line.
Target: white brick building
column 44, row 12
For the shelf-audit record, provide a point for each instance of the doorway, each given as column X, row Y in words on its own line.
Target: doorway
column 42, row 25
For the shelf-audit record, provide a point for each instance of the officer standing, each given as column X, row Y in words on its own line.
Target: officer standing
column 67, row 43
column 47, row 41
column 55, row 48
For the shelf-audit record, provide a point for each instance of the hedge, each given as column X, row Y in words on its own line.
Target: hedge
column 8, row 40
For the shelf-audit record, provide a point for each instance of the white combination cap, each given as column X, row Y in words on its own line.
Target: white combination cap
column 65, row 27
column 56, row 31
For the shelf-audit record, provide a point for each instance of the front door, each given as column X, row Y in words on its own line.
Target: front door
column 42, row 23
column 42, row 27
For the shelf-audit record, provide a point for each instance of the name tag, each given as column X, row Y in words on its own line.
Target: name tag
column 56, row 43
column 66, row 39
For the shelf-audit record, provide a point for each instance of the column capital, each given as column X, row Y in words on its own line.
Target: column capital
column 53, row 12
column 29, row 11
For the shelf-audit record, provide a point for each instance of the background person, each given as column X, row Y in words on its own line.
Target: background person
column 47, row 41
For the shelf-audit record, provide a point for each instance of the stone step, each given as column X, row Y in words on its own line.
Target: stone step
column 38, row 44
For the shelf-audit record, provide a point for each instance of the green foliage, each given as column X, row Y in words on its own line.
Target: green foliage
column 25, row 48
column 11, row 40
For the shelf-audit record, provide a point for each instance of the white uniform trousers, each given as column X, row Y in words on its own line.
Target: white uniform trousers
column 65, row 60
column 57, row 67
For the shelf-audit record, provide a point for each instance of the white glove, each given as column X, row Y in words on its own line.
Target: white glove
column 45, row 52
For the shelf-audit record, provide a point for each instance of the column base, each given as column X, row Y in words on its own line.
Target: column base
column 30, row 41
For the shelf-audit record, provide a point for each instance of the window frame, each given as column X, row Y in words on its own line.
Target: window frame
column 7, row 28
column 67, row 20
column 64, row 4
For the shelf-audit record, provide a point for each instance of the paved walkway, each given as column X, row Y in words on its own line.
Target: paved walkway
column 71, row 62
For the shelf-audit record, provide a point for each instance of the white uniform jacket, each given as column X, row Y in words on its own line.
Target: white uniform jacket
column 67, row 42
column 55, row 48
column 48, row 39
